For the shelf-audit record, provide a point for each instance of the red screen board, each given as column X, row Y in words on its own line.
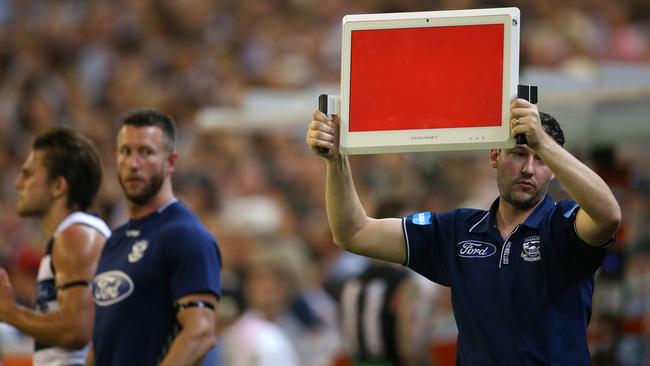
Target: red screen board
column 422, row 78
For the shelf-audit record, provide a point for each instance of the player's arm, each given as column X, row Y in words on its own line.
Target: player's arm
column 75, row 257
column 351, row 228
column 196, row 315
column 600, row 214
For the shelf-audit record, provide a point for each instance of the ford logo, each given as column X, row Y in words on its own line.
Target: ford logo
column 475, row 249
column 111, row 287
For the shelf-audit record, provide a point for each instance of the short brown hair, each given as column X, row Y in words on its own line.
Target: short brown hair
column 72, row 156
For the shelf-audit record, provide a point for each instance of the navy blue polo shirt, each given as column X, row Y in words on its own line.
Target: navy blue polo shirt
column 145, row 267
column 522, row 300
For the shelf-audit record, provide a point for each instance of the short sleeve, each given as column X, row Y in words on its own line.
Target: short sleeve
column 193, row 260
column 576, row 256
column 425, row 235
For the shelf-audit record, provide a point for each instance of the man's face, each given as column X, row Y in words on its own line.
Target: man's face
column 143, row 162
column 522, row 176
column 34, row 186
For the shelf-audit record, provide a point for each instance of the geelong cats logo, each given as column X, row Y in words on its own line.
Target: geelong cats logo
column 137, row 251
column 530, row 249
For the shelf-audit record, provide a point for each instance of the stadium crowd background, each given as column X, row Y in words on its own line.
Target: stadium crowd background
column 85, row 63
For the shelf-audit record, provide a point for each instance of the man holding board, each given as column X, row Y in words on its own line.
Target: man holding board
column 521, row 274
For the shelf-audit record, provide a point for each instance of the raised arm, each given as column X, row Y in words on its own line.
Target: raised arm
column 75, row 257
column 351, row 227
column 600, row 214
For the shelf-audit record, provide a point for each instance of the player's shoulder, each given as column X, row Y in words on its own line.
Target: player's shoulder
column 180, row 214
column 78, row 238
column 179, row 221
column 464, row 216
column 82, row 221
column 79, row 224
column 470, row 214
column 177, row 224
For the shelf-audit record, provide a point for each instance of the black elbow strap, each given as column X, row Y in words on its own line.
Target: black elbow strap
column 193, row 304
column 73, row 284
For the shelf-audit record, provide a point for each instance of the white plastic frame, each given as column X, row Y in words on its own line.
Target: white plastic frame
column 435, row 139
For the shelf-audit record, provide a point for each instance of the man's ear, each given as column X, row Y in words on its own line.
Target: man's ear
column 171, row 161
column 60, row 187
column 494, row 157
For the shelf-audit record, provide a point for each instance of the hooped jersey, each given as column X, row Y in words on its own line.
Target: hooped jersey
column 46, row 293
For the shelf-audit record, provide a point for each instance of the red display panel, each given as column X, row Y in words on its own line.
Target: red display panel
column 423, row 78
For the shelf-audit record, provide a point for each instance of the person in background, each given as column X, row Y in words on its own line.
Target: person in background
column 384, row 315
column 255, row 338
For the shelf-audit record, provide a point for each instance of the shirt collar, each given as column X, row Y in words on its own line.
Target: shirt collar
column 533, row 221
column 164, row 206
column 158, row 211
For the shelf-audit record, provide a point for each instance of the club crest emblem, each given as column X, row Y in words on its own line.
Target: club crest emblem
column 530, row 249
column 137, row 251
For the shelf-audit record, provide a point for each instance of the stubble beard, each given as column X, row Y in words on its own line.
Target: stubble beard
column 525, row 203
column 31, row 210
column 23, row 211
column 150, row 190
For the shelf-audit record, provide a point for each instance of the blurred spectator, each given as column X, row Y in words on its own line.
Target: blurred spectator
column 255, row 338
column 277, row 304
column 382, row 321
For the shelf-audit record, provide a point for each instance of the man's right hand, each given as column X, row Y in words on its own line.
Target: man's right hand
column 323, row 132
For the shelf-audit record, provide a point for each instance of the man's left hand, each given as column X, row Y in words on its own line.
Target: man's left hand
column 7, row 297
column 525, row 120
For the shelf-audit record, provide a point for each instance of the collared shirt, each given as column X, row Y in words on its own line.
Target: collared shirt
column 520, row 300
column 145, row 267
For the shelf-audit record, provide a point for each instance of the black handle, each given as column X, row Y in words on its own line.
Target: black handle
column 529, row 93
column 520, row 139
column 322, row 106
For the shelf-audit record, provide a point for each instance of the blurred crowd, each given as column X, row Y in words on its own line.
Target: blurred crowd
column 85, row 63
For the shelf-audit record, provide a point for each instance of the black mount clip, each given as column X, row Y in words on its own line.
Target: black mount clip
column 529, row 93
column 322, row 106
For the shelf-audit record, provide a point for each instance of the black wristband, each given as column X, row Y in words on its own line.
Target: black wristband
column 193, row 304
column 73, row 284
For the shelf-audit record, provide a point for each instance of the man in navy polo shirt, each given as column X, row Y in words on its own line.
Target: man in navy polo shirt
column 157, row 281
column 521, row 274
